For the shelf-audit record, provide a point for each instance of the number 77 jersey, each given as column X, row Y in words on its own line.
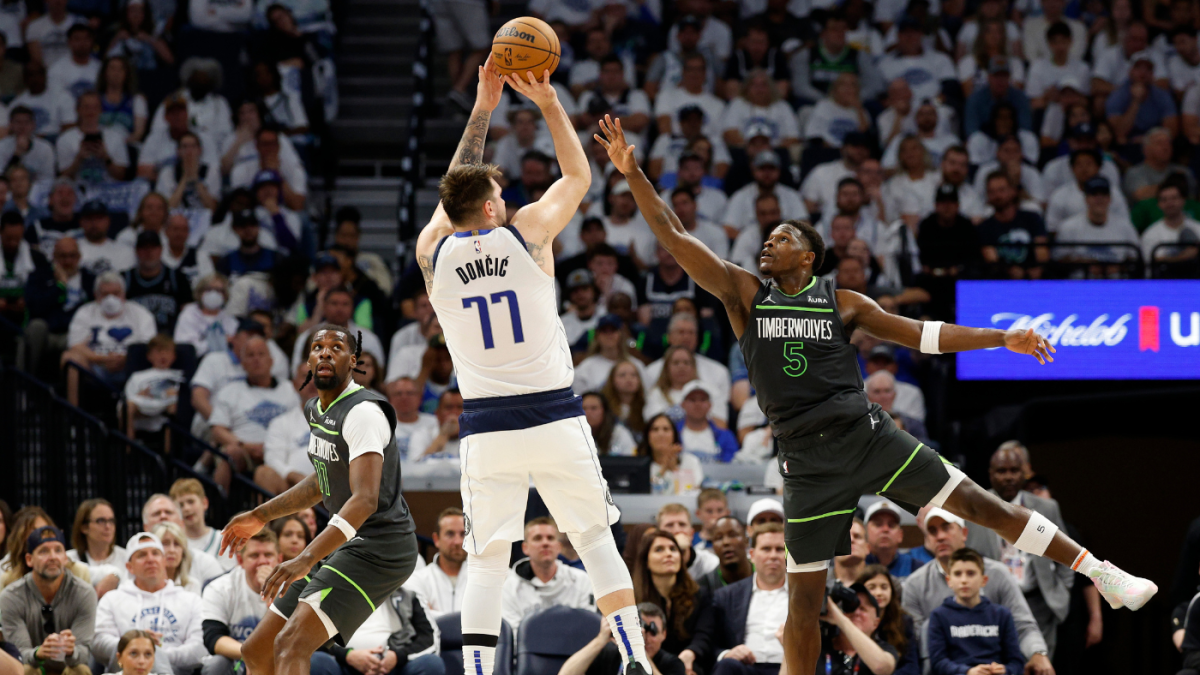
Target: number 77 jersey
column 499, row 313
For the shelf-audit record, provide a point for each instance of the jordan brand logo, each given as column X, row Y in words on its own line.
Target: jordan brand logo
column 873, row 423
column 768, row 298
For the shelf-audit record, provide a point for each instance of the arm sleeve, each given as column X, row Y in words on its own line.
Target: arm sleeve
column 15, row 630
column 77, row 332
column 83, row 627
column 213, row 630
column 1014, row 661
column 366, row 430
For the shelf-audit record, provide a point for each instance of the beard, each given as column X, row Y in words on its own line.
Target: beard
column 326, row 381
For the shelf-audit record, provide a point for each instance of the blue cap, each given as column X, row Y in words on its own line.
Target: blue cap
column 94, row 207
column 1097, row 185
column 43, row 535
column 325, row 260
column 267, row 176
column 609, row 321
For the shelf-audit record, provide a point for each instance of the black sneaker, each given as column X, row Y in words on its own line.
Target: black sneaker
column 633, row 668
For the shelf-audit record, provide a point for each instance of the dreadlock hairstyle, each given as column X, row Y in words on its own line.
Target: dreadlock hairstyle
column 355, row 344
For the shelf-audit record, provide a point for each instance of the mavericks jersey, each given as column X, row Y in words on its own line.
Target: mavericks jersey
column 499, row 314
column 330, row 456
column 801, row 362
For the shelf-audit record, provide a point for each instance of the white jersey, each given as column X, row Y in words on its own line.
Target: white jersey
column 498, row 312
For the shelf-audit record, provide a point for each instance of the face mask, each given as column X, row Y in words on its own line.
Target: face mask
column 211, row 300
column 112, row 305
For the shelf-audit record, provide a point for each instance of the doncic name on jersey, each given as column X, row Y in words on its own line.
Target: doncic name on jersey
column 478, row 269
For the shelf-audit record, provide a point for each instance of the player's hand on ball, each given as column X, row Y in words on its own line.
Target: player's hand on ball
column 283, row 576
column 239, row 530
column 619, row 150
column 541, row 93
column 491, row 86
column 1029, row 342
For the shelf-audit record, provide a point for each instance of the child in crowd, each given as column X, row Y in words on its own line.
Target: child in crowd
column 151, row 394
column 969, row 634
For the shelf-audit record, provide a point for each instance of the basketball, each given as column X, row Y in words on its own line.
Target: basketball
column 525, row 44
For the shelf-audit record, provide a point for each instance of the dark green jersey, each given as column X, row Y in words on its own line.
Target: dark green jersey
column 329, row 452
column 801, row 363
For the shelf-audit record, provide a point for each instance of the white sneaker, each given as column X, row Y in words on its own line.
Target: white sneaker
column 1120, row 588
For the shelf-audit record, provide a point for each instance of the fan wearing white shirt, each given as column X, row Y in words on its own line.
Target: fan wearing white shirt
column 683, row 202
column 100, row 253
column 1057, row 171
column 710, row 202
column 188, row 494
column 715, row 36
column 819, row 188
column 740, row 212
column 21, row 144
column 765, row 612
column 405, row 397
column 1175, row 227
column 909, row 194
column 207, row 111
column 613, row 84
column 749, row 243
column 285, row 450
column 524, row 137
column 838, row 114
column 624, row 227
column 583, row 312
column 928, row 120
column 1037, row 37
column 190, row 183
column 1009, row 157
column 923, row 70
column 669, row 149
column 88, row 152
column 101, row 332
column 540, row 581
column 585, row 73
column 759, row 106
column 1048, row 74
column 690, row 92
column 1095, row 226
column 1111, row 69
column 46, row 36
column 973, row 68
column 52, row 108
column 1069, row 200
column 295, row 179
column 161, row 146
column 1183, row 67
column 76, row 72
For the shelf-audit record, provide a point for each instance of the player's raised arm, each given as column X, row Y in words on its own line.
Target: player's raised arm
column 469, row 151
column 733, row 285
column 936, row 337
column 540, row 222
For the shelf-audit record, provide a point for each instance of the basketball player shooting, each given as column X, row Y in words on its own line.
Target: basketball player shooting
column 492, row 286
column 370, row 548
column 834, row 446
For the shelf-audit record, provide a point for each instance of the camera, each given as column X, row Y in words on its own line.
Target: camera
column 845, row 598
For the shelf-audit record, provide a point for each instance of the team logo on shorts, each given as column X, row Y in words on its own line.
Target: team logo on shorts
column 785, row 466
column 466, row 525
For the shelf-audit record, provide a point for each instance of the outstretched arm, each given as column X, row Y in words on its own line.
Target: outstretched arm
column 469, row 151
column 302, row 495
column 733, row 285
column 863, row 312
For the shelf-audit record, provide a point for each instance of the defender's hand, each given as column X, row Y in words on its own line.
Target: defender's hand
column 619, row 150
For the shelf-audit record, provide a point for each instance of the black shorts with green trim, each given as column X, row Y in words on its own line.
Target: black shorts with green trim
column 353, row 580
column 824, row 476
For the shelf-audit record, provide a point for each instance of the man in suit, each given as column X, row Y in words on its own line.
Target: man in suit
column 751, row 611
column 1045, row 583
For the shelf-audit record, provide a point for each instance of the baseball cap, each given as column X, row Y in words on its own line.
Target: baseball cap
column 1070, row 82
column 579, row 277
column 244, row 217
column 94, row 207
column 1097, row 185
column 882, row 505
column 689, row 110
column 43, row 535
column 861, row 590
column 621, row 187
column 148, row 240
column 765, row 505
column 325, row 260
column 998, row 64
column 697, row 385
column 691, row 20
column 857, row 138
column 1143, row 55
column 945, row 515
column 267, row 176
column 946, row 193
column 143, row 540
column 1083, row 130
column 766, row 158
column 757, row 129
column 609, row 321
column 882, row 351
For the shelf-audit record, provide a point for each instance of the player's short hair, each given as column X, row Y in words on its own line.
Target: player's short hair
column 765, row 528
column 541, row 520
column 465, row 188
column 670, row 510
column 449, row 512
column 709, row 495
column 186, row 486
column 816, row 243
column 966, row 555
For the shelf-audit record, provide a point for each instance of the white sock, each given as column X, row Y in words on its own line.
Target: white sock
column 478, row 660
column 627, row 629
column 1085, row 562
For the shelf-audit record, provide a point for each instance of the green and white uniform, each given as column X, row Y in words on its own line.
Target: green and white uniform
column 834, row 445
column 347, row 586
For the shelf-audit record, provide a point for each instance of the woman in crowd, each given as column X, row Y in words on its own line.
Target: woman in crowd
column 122, row 107
column 372, row 375
column 279, row 107
column 20, row 182
column 293, row 535
column 912, row 188
column 667, row 394
column 6, row 518
column 610, row 347
column 672, row 471
column 309, row 516
column 94, row 537
column 895, row 625
column 190, row 183
column 24, row 522
column 659, row 576
column 983, row 144
column 992, row 43
column 205, row 324
column 151, row 216
column 611, row 437
column 626, row 396
column 139, row 40
column 135, row 652
column 1110, row 30
column 176, row 556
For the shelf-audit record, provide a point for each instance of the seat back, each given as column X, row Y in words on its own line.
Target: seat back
column 450, row 626
column 546, row 639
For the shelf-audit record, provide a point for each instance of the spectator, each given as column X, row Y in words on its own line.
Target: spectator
column 852, row 276
column 282, row 109
column 20, row 182
column 1010, row 233
column 1113, row 65
column 46, row 36
column 884, row 536
column 668, row 150
column 691, row 92
column 93, row 538
column 990, row 48
column 684, row 204
column 371, row 376
column 855, row 647
column 102, row 330
column 405, row 397
column 205, row 324
column 602, row 656
column 672, row 471
column 136, row 652
column 852, row 202
column 399, row 638
column 12, row 76
column 699, row 435
column 881, row 389
column 909, row 195
column 189, row 183
column 1058, row 58
column 208, row 112
column 815, row 68
column 985, row 639
column 928, row 127
column 348, row 235
column 659, row 577
column 752, row 611
column 177, row 253
column 275, row 214
column 984, row 105
column 681, row 368
column 625, row 228
column 178, row 558
column 606, row 266
column 1138, row 105
column 123, row 108
column 242, row 411
column 1174, row 227
column 415, row 333
column 747, row 247
column 910, row 401
column 429, row 364
column 221, row 367
column 729, row 544
column 250, row 256
column 310, row 307
column 1184, row 65
column 242, row 147
column 711, row 505
column 1142, row 180
column 1009, row 158
column 1096, row 223
column 840, row 113
column 955, row 167
column 820, row 187
column 151, row 394
column 535, row 177
column 689, row 176
column 49, row 614
column 182, row 645
column 22, row 147
column 583, row 313
column 1068, row 200
column 585, row 74
column 160, row 289
column 100, row 253
column 524, row 138
column 756, row 53
column 760, row 103
column 51, row 108
column 625, row 394
column 77, row 70
column 928, row 588
column 139, row 41
column 293, row 534
column 151, row 217
column 895, row 625
column 1039, row 42
column 740, row 213
column 285, row 450
column 428, row 444
column 160, row 509
column 53, row 293
column 24, row 522
column 161, row 148
column 608, row 348
column 188, row 494
column 437, row 584
column 924, row 69
column 463, row 36
column 1057, row 171
column 539, row 581
column 610, row 436
column 18, row 260
column 372, row 303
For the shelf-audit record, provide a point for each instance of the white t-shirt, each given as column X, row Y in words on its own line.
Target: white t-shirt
column 1044, row 74
column 287, row 110
column 1037, row 46
column 292, row 173
column 222, row 17
column 110, row 335
column 670, row 102
column 1182, row 73
column 687, row 479
column 702, row 443
column 710, row 203
column 831, row 122
column 39, row 160
column 715, row 36
column 246, row 411
column 153, row 391
column 740, row 211
column 204, row 332
column 286, row 448
column 1113, row 67
column 425, row 424
column 73, row 78
column 970, row 31
column 904, row 196
column 1069, row 201
column 820, row 185
column 107, row 256
column 969, row 70
column 1079, row 229
column 1057, row 173
column 668, row 148
column 631, row 238
column 981, row 148
column 228, row 599
column 161, row 150
column 924, row 73
column 575, row 327
column 51, row 109
column 592, row 373
column 93, row 170
column 1031, row 180
column 217, row 369
column 51, row 36
column 166, row 183
column 935, row 145
column 507, row 152
column 210, row 543
column 421, row 439
column 1156, row 235
column 779, row 117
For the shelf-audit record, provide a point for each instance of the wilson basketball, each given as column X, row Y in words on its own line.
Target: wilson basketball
column 525, row 44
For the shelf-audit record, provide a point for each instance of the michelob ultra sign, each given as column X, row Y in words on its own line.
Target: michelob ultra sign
column 1103, row 330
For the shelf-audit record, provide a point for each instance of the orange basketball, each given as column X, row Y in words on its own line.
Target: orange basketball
column 525, row 44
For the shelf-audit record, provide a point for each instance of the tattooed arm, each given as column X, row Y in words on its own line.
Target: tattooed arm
column 540, row 222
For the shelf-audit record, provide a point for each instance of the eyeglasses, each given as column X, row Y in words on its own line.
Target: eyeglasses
column 102, row 522
column 48, row 619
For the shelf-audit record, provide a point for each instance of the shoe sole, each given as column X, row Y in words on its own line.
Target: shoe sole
column 1137, row 603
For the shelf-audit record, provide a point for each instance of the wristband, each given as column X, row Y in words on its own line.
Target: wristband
column 341, row 524
column 931, row 334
